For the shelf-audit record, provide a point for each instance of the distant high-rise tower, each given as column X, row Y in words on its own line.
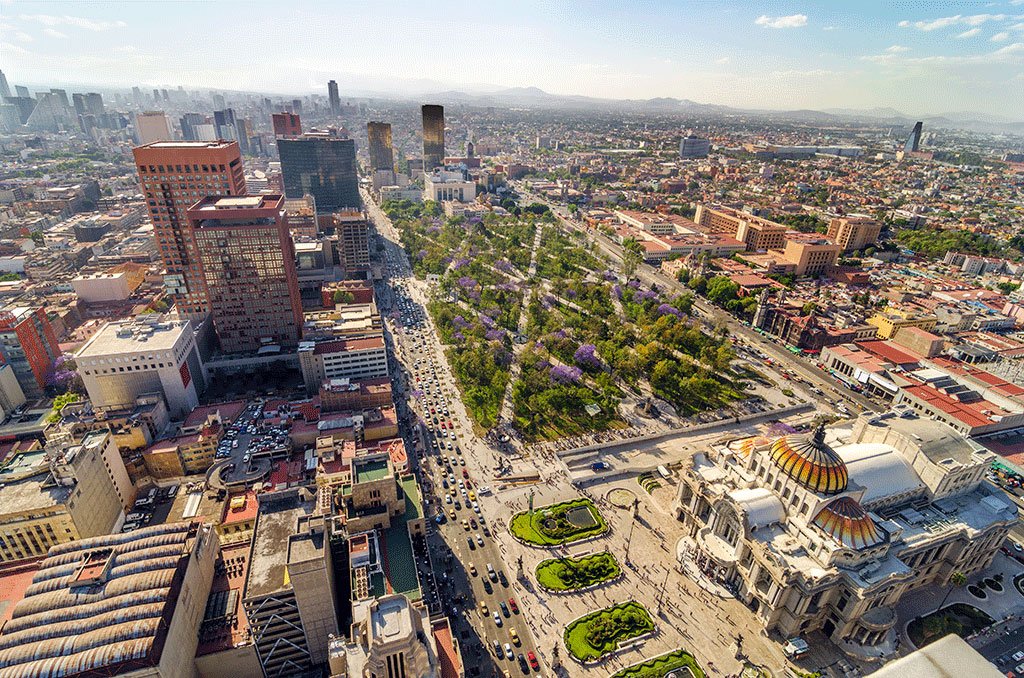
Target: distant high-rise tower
column 297, row 106
column 215, row 168
column 323, row 166
column 248, row 264
column 914, row 140
column 286, row 125
column 381, row 155
column 332, row 96
column 190, row 123
column 5, row 89
column 226, row 125
column 433, row 137
column 151, row 126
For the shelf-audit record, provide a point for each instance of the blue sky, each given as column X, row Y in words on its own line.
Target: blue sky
column 919, row 57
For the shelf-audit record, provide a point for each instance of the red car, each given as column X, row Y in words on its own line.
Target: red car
column 532, row 658
column 465, row 473
column 512, row 606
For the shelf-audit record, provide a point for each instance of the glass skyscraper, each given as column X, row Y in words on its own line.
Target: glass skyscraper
column 323, row 166
column 381, row 155
column 433, row 137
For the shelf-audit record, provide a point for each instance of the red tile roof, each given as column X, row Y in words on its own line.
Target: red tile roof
column 887, row 351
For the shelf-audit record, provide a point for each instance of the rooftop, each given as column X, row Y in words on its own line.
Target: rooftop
column 275, row 524
column 146, row 333
column 936, row 441
column 369, row 470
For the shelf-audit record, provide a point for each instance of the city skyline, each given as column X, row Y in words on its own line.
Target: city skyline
column 777, row 55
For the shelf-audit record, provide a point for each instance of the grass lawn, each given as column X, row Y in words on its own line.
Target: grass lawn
column 600, row 632
column 559, row 523
column 661, row 665
column 569, row 574
column 958, row 618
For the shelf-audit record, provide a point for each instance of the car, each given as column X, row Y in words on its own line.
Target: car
column 522, row 663
column 497, row 619
column 600, row 466
column 512, row 604
column 504, row 609
column 1017, row 656
column 487, row 587
column 472, row 569
column 532, row 658
column 465, row 473
column 465, row 524
column 514, row 636
column 479, row 540
column 796, row 647
column 501, row 576
column 498, row 652
column 451, row 513
column 1019, row 669
column 472, row 496
column 508, row 652
column 483, row 608
column 470, row 544
column 447, row 498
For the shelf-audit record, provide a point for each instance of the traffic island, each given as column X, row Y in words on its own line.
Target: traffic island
column 596, row 635
column 680, row 662
column 573, row 575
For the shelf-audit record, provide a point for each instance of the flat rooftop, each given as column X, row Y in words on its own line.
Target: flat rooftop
column 134, row 336
column 275, row 524
column 188, row 144
column 370, row 470
column 937, row 441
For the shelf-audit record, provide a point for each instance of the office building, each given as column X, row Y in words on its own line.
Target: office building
column 226, row 125
column 190, row 124
column 760, row 234
column 354, row 359
column 174, row 176
column 5, row 89
column 12, row 396
column 381, row 154
column 29, row 345
column 353, row 236
column 691, row 147
column 115, row 605
column 322, row 165
column 66, row 492
column 150, row 354
column 448, row 184
column 830, row 530
column 286, row 125
column 892, row 321
column 248, row 262
column 289, row 593
column 332, row 97
column 811, row 256
column 854, row 233
column 913, row 143
column 433, row 137
column 151, row 127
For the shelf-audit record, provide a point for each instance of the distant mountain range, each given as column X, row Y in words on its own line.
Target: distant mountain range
column 533, row 97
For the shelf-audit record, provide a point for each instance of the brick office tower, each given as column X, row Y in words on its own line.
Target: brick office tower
column 248, row 260
column 286, row 125
column 29, row 345
column 174, row 176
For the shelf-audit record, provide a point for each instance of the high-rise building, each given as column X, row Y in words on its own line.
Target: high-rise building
column 174, row 176
column 151, row 126
column 248, row 261
column 381, row 155
column 190, row 123
column 29, row 345
column 433, row 137
column 322, row 165
column 353, row 232
column 297, row 106
column 333, row 98
column 225, row 124
column 22, row 91
column 691, row 146
column 287, row 124
column 5, row 89
column 914, row 140
column 854, row 232
column 218, row 101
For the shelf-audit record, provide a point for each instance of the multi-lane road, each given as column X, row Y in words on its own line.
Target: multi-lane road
column 470, row 580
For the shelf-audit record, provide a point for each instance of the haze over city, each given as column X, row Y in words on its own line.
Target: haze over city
column 923, row 58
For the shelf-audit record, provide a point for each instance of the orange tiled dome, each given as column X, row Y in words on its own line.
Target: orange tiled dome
column 848, row 523
column 809, row 461
column 750, row 444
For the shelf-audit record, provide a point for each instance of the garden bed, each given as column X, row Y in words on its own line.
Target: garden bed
column 558, row 523
column 958, row 618
column 600, row 633
column 573, row 574
column 663, row 665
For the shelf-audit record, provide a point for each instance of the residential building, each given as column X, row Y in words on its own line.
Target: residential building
column 891, row 322
column 151, row 127
column 830, row 530
column 146, row 593
column 174, row 176
column 342, row 394
column 183, row 455
column 150, row 354
column 248, row 262
column 66, row 492
column 289, row 592
column 342, row 358
column 29, row 345
column 322, row 165
column 286, row 125
column 448, row 183
column 854, row 233
column 433, row 137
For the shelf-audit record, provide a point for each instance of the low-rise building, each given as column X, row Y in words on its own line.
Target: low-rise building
column 356, row 359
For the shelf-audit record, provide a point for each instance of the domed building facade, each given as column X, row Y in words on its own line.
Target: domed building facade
column 827, row 530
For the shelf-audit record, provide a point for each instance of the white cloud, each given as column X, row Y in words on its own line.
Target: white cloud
column 125, row 49
column 722, row 61
column 896, row 49
column 829, row 28
column 22, row 37
column 1009, row 54
column 54, row 33
column 1000, row 37
column 1017, row 27
column 969, row 33
column 10, row 48
column 791, row 21
column 956, row 20
column 76, row 21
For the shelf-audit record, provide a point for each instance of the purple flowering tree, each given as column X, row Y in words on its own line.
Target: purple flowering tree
column 564, row 374
column 586, row 356
column 617, row 291
column 494, row 335
column 666, row 309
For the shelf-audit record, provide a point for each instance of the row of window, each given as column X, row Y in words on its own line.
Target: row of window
column 188, row 169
